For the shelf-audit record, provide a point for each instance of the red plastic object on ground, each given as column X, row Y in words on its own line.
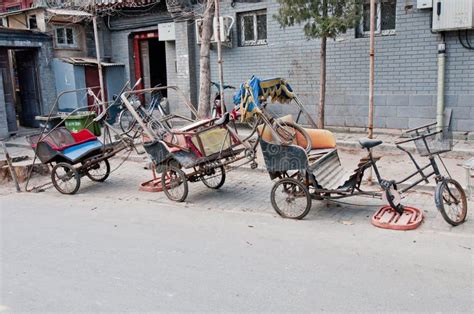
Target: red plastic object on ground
column 153, row 185
column 387, row 218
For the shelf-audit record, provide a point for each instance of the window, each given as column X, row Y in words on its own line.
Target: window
column 65, row 37
column 253, row 28
column 14, row 8
column 32, row 23
column 385, row 18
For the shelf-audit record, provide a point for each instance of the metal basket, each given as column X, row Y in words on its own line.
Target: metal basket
column 432, row 141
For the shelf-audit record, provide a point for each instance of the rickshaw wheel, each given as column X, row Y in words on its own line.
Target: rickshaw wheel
column 451, row 201
column 65, row 178
column 215, row 180
column 290, row 138
column 176, row 184
column 291, row 199
column 99, row 171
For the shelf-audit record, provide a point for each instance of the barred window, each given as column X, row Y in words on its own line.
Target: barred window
column 385, row 18
column 253, row 28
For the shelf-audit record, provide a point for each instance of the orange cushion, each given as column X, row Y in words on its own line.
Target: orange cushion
column 319, row 139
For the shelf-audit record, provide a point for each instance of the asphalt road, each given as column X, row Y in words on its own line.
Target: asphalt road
column 91, row 254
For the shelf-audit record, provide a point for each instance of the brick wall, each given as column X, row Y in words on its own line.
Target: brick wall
column 406, row 70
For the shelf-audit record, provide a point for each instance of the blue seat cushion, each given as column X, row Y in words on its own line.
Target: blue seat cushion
column 76, row 152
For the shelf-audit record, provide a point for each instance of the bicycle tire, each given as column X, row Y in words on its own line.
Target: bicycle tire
column 441, row 201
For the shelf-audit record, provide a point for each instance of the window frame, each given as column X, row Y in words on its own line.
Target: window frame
column 378, row 20
column 65, row 45
column 254, row 42
column 30, row 18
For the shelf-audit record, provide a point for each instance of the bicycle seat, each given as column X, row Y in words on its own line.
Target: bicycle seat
column 369, row 143
column 223, row 120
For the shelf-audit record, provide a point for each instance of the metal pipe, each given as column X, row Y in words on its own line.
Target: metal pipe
column 372, row 69
column 219, row 55
column 441, row 79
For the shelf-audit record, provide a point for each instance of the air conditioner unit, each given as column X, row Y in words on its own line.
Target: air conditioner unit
column 451, row 15
column 225, row 23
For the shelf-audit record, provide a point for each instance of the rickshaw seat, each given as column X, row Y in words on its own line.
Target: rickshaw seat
column 61, row 138
column 76, row 152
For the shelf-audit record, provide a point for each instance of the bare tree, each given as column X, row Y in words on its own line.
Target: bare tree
column 204, row 106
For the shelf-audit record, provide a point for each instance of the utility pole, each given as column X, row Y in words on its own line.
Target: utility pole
column 372, row 69
column 219, row 55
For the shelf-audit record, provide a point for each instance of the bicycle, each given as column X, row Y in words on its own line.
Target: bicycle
column 127, row 122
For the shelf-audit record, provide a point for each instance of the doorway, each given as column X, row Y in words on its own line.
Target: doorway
column 157, row 58
column 149, row 59
column 27, row 94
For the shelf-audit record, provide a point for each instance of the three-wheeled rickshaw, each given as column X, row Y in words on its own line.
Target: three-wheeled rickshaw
column 184, row 149
column 309, row 168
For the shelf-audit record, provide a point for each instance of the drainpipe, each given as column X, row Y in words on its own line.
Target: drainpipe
column 441, row 72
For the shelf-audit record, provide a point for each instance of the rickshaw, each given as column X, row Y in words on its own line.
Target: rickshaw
column 310, row 169
column 73, row 155
column 184, row 149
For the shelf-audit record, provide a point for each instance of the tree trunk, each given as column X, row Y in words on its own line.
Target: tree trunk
column 204, row 106
column 322, row 82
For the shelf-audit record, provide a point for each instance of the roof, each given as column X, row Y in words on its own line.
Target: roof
column 13, row 34
column 57, row 12
column 16, row 12
column 89, row 61
column 65, row 12
column 124, row 3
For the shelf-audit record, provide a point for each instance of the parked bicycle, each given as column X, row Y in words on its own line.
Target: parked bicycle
column 216, row 110
column 127, row 122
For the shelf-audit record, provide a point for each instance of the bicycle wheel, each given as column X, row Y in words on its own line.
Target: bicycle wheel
column 175, row 184
column 99, row 171
column 65, row 178
column 128, row 124
column 215, row 178
column 288, row 133
column 291, row 199
column 451, row 201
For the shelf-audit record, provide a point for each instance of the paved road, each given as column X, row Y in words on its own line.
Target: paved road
column 112, row 248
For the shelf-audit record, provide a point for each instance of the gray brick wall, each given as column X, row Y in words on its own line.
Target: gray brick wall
column 406, row 70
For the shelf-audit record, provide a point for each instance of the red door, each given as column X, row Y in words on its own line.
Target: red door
column 93, row 82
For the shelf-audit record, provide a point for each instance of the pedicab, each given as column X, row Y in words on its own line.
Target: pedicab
column 73, row 155
column 185, row 149
column 309, row 168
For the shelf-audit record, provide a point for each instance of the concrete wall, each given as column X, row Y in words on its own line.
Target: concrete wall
column 406, row 70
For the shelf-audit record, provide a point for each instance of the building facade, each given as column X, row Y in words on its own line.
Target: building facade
column 15, row 5
column 406, row 66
